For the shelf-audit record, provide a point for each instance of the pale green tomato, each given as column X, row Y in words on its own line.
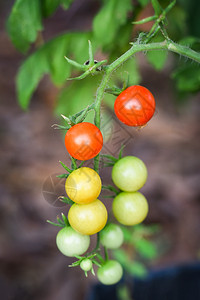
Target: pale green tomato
column 111, row 236
column 129, row 174
column 110, row 273
column 130, row 208
column 86, row 264
column 72, row 243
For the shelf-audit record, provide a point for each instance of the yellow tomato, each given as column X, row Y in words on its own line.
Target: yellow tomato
column 83, row 185
column 88, row 218
column 130, row 208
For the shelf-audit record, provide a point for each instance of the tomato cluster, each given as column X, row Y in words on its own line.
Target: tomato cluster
column 88, row 215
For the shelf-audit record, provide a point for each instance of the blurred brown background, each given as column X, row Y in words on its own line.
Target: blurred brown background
column 30, row 265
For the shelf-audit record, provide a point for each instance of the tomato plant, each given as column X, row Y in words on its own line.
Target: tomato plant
column 110, row 272
column 130, row 208
column 135, row 106
column 72, row 243
column 83, row 185
column 129, row 174
column 111, row 236
column 88, row 218
column 83, row 141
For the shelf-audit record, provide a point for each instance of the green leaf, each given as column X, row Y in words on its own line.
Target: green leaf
column 177, row 20
column 24, row 23
column 133, row 267
column 121, row 256
column 49, row 59
column 143, row 2
column 137, row 269
column 66, row 3
column 145, row 248
column 190, row 41
column 77, row 94
column 48, row 7
column 110, row 18
column 157, row 58
column 127, row 234
column 29, row 75
column 187, row 77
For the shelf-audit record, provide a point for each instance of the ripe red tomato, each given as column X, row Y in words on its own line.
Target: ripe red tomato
column 83, row 141
column 135, row 106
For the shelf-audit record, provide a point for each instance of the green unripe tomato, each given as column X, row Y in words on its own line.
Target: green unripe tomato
column 110, row 273
column 111, row 236
column 129, row 174
column 72, row 243
column 130, row 208
column 86, row 264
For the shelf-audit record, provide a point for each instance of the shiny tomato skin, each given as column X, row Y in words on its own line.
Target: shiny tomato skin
column 83, row 185
column 71, row 243
column 110, row 272
column 130, row 208
column 129, row 173
column 135, row 106
column 86, row 264
column 88, row 218
column 111, row 236
column 83, row 141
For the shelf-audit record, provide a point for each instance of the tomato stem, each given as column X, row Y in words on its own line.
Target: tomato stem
column 106, row 253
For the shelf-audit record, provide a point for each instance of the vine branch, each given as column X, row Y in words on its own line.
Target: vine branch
column 165, row 45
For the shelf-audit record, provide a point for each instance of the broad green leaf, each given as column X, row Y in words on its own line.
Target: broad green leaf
column 124, row 33
column 187, row 77
column 143, row 2
column 133, row 267
column 190, row 41
column 145, row 248
column 127, row 234
column 49, row 6
column 29, row 75
column 110, row 18
column 77, row 96
column 177, row 20
column 66, row 3
column 121, row 256
column 137, row 269
column 24, row 23
column 55, row 51
column 157, row 58
column 48, row 59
